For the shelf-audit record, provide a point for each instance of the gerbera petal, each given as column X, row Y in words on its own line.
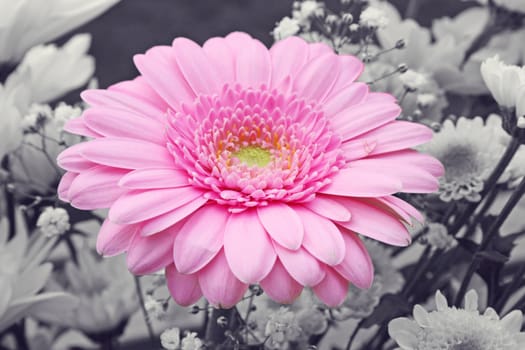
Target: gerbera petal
column 329, row 208
column 136, row 206
column 362, row 182
column 78, row 126
column 302, row 266
column 153, row 253
column 159, row 67
column 126, row 153
column 111, row 122
column 244, row 230
column 96, row 188
column 280, row 286
column 70, row 159
column 400, row 204
column 375, row 223
column 288, row 56
column 351, row 69
column 312, row 82
column 65, row 184
column 219, row 285
column 114, row 239
column 221, row 57
column 344, row 98
column 164, row 221
column 357, row 265
column 396, row 135
column 358, row 119
column 252, row 60
column 283, row 224
column 322, row 238
column 198, row 242
column 333, row 289
column 184, row 289
column 154, row 178
column 195, row 66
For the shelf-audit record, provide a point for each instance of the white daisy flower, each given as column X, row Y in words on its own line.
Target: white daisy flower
column 450, row 328
column 502, row 80
column 470, row 150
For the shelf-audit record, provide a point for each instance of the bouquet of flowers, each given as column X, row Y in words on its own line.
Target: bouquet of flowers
column 356, row 185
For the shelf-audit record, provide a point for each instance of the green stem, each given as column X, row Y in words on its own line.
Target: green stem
column 487, row 238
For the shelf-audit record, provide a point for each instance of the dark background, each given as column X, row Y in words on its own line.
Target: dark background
column 133, row 26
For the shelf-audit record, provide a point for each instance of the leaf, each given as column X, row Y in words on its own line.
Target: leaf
column 493, row 255
column 468, row 245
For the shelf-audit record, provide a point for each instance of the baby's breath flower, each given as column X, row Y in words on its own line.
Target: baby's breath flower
column 64, row 112
column 170, row 339
column 37, row 115
column 437, row 236
column 450, row 328
column 191, row 342
column 413, row 80
column 285, row 28
column 426, row 100
column 373, row 17
column 153, row 307
column 53, row 221
column 281, row 328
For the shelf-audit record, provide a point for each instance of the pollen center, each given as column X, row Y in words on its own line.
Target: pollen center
column 253, row 155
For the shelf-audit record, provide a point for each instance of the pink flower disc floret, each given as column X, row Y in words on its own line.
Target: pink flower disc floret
column 232, row 164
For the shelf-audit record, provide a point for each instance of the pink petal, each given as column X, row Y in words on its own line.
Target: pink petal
column 322, row 238
column 164, row 221
column 333, row 289
column 283, row 224
column 400, row 204
column 344, row 98
column 375, row 223
column 247, row 247
column 114, row 239
column 380, row 97
column 351, row 69
column 145, row 100
column 302, row 266
column 70, row 159
column 153, row 178
column 78, row 126
column 358, row 119
column 159, row 67
column 357, row 265
column 253, row 63
column 318, row 49
column 126, row 153
column 288, row 56
column 414, row 179
column 317, row 77
column 421, row 160
column 153, row 253
column 396, row 135
column 96, row 188
column 184, row 289
column 362, row 182
column 64, row 185
column 280, row 286
column 136, row 206
column 112, row 122
column 329, row 208
column 199, row 241
column 195, row 67
column 219, row 285
column 221, row 58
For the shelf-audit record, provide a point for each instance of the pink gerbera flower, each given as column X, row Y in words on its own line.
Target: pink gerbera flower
column 232, row 164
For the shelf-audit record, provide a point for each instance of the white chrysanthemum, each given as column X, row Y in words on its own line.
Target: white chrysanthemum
column 285, row 28
column 449, row 328
column 469, row 150
column 170, row 339
column 53, row 221
column 373, row 17
column 502, row 80
column 26, row 23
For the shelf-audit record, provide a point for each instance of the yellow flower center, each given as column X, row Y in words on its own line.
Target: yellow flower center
column 253, row 156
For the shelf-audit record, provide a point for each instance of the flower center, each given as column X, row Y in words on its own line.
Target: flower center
column 253, row 156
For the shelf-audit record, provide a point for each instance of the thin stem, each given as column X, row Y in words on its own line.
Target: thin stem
column 516, row 281
column 425, row 260
column 145, row 315
column 487, row 203
column 354, row 334
column 491, row 233
column 215, row 331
